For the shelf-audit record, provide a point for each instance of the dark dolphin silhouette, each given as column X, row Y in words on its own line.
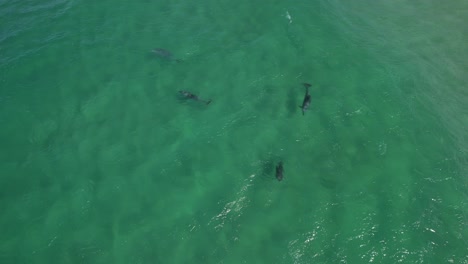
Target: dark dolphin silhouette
column 190, row 95
column 279, row 171
column 306, row 102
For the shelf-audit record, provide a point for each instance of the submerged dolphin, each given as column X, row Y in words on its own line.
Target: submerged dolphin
column 279, row 171
column 190, row 95
column 163, row 53
column 306, row 102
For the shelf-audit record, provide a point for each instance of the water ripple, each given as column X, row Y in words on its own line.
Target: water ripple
column 23, row 17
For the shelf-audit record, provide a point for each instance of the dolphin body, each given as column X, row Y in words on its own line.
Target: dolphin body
column 190, row 95
column 164, row 53
column 279, row 171
column 306, row 103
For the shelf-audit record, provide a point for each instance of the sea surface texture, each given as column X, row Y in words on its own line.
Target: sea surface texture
column 102, row 160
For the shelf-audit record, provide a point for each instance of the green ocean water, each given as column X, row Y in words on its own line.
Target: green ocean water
column 101, row 160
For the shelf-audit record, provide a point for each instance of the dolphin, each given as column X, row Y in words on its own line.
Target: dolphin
column 306, row 103
column 163, row 53
column 190, row 95
column 279, row 171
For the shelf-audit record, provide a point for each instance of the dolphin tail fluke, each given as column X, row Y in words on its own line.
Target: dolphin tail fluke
column 307, row 85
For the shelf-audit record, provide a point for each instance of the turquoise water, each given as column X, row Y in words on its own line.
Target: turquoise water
column 101, row 161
